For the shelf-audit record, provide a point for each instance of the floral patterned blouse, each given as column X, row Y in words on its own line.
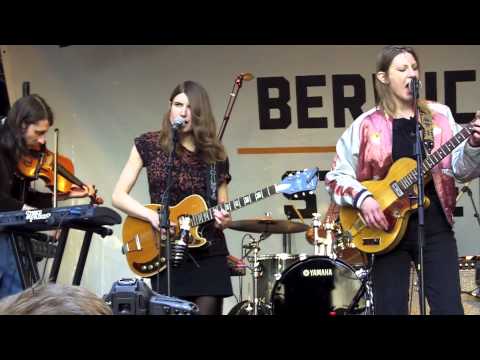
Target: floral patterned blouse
column 190, row 176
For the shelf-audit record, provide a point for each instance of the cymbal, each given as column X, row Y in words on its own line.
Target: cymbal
column 268, row 225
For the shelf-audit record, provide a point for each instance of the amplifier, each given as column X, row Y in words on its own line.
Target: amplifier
column 468, row 266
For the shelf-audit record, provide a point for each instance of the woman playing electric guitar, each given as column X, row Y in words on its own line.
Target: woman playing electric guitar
column 203, row 277
column 367, row 150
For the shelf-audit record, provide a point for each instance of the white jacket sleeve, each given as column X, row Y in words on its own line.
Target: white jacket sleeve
column 341, row 182
column 465, row 158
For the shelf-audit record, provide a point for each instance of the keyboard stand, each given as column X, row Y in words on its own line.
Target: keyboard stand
column 82, row 258
column 62, row 240
column 26, row 264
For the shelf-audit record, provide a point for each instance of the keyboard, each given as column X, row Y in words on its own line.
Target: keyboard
column 78, row 216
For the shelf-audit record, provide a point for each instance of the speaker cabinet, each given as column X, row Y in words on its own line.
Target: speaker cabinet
column 471, row 304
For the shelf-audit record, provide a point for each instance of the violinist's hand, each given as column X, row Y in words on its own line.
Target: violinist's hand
column 474, row 140
column 84, row 191
column 222, row 219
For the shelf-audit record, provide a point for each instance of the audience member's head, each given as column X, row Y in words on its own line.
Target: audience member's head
column 54, row 299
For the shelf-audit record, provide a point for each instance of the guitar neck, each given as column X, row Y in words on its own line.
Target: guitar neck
column 235, row 204
column 435, row 158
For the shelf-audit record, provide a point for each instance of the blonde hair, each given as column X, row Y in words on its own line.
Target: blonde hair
column 384, row 93
column 54, row 299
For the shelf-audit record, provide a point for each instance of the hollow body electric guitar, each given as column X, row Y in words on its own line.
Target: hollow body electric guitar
column 141, row 242
column 396, row 195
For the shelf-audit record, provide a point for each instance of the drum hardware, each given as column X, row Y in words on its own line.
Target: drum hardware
column 322, row 246
column 323, row 284
column 266, row 226
column 255, row 272
column 365, row 291
column 246, row 307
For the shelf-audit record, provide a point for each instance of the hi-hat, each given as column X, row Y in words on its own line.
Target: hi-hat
column 268, row 225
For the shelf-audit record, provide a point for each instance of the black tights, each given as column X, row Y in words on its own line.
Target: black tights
column 208, row 305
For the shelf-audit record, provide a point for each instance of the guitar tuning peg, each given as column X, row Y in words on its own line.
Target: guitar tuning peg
column 303, row 193
column 295, row 196
column 310, row 192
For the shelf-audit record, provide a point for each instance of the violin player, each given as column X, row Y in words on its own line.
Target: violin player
column 23, row 130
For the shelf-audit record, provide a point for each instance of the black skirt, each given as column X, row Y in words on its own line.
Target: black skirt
column 208, row 276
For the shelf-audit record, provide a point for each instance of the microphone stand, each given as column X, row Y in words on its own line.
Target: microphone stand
column 231, row 101
column 467, row 190
column 420, row 196
column 165, row 212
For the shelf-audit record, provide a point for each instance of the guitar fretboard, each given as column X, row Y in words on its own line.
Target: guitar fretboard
column 436, row 157
column 235, row 204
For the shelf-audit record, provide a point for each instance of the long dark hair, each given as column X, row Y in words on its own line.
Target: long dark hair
column 203, row 123
column 385, row 96
column 24, row 112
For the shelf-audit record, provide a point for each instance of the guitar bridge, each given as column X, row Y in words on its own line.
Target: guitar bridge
column 371, row 241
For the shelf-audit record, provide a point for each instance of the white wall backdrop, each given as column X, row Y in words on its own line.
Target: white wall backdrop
column 104, row 96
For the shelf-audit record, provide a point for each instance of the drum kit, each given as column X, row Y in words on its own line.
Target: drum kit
column 335, row 280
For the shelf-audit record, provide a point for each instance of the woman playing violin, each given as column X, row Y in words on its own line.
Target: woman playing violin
column 23, row 130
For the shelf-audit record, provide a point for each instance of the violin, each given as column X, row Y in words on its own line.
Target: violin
column 40, row 164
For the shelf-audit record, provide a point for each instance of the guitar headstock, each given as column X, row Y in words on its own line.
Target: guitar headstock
column 305, row 180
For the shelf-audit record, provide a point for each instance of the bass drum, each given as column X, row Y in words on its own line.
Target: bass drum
column 270, row 270
column 317, row 286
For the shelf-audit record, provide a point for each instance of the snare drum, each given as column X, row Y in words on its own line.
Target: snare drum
column 316, row 286
column 270, row 270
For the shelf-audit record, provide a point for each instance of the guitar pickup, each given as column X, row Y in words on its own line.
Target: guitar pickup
column 371, row 241
column 397, row 189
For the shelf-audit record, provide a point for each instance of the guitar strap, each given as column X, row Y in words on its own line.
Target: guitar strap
column 211, row 196
column 212, row 185
column 426, row 122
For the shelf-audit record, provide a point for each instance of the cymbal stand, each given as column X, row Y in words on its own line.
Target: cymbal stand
column 366, row 289
column 322, row 244
column 255, row 269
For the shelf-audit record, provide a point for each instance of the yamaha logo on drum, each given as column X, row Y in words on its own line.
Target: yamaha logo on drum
column 317, row 272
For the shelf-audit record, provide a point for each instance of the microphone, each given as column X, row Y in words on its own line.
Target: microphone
column 243, row 77
column 247, row 76
column 180, row 246
column 178, row 122
column 413, row 86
